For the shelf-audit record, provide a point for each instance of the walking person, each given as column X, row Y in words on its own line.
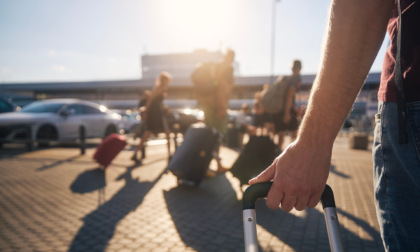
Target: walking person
column 215, row 104
column 356, row 30
column 278, row 103
column 154, row 116
column 287, row 120
column 141, row 109
column 258, row 113
column 244, row 123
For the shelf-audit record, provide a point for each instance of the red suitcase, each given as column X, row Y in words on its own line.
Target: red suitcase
column 109, row 148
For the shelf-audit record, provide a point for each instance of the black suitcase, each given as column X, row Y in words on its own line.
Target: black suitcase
column 233, row 137
column 192, row 159
column 260, row 190
column 256, row 156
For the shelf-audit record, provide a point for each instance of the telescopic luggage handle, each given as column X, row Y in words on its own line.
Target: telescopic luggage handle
column 260, row 190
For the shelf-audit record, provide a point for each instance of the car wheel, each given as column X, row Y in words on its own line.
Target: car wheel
column 134, row 128
column 109, row 130
column 29, row 146
column 45, row 134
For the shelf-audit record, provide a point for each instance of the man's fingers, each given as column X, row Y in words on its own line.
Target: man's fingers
column 301, row 203
column 314, row 199
column 275, row 196
column 288, row 202
column 266, row 175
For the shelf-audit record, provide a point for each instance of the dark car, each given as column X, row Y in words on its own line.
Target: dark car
column 7, row 105
column 180, row 119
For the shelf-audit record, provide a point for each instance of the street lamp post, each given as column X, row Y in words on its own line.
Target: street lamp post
column 273, row 39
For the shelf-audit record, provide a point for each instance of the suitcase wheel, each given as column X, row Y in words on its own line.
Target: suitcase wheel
column 189, row 183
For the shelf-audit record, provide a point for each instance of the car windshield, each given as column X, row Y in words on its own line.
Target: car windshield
column 40, row 107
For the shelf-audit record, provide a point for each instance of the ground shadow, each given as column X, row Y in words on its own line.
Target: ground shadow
column 15, row 149
column 99, row 226
column 334, row 170
column 15, row 154
column 58, row 162
column 11, row 152
column 89, row 181
column 300, row 232
column 209, row 218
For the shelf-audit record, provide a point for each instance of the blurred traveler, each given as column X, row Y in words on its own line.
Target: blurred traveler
column 244, row 122
column 258, row 112
column 278, row 102
column 213, row 94
column 153, row 114
column 287, row 120
column 142, row 108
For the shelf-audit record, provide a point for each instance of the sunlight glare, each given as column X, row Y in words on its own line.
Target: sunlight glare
column 187, row 111
column 198, row 22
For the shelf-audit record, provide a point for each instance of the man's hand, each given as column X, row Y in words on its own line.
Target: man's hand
column 299, row 176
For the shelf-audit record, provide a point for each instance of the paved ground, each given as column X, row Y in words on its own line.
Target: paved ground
column 57, row 200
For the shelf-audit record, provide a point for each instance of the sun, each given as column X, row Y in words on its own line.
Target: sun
column 198, row 22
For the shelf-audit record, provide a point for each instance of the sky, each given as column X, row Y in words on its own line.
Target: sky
column 92, row 40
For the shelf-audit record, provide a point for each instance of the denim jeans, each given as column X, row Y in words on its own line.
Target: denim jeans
column 397, row 178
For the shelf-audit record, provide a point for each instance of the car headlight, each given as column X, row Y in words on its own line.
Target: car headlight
column 116, row 116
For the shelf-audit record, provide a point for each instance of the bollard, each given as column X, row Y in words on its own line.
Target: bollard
column 29, row 140
column 82, row 138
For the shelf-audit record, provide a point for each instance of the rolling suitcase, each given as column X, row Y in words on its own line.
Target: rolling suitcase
column 108, row 149
column 260, row 190
column 256, row 156
column 192, row 159
column 233, row 137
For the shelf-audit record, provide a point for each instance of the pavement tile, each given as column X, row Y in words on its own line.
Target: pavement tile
column 57, row 200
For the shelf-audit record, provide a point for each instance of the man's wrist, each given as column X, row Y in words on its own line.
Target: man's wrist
column 317, row 134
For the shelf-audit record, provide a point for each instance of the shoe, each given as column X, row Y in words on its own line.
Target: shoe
column 210, row 173
column 134, row 158
column 222, row 169
column 143, row 152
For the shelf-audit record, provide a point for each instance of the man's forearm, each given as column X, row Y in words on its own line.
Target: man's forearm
column 355, row 34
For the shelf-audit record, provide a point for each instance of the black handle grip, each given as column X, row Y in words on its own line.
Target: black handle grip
column 260, row 190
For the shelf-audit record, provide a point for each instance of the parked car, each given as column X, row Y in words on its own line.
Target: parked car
column 7, row 105
column 180, row 119
column 57, row 120
column 130, row 121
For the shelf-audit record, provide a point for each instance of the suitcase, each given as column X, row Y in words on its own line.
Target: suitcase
column 233, row 137
column 256, row 156
column 358, row 140
column 108, row 149
column 192, row 158
column 260, row 190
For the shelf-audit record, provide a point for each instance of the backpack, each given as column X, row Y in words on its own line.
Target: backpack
column 273, row 99
column 203, row 78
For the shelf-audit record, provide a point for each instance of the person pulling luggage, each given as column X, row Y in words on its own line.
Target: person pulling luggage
column 154, row 116
column 213, row 84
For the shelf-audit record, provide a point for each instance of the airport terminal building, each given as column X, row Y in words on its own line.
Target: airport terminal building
column 124, row 94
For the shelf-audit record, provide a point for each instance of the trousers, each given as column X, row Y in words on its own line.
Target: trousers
column 396, row 175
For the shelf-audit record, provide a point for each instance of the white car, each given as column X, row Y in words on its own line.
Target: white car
column 57, row 120
column 130, row 121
